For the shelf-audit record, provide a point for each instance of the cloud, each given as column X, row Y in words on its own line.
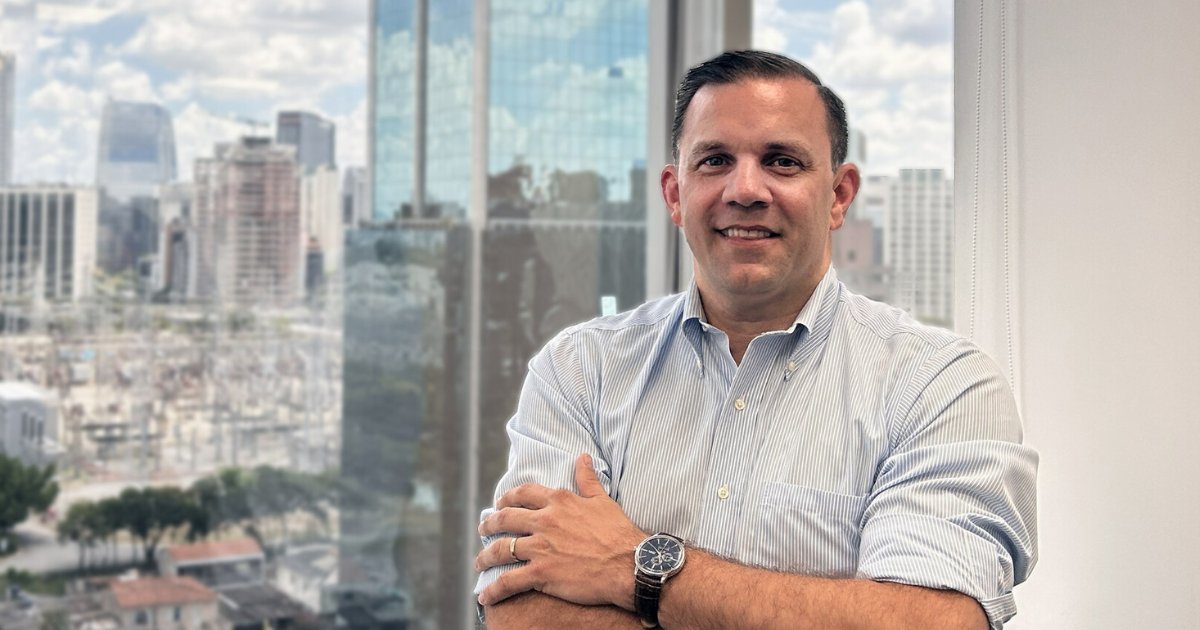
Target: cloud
column 919, row 21
column 197, row 130
column 75, row 63
column 121, row 82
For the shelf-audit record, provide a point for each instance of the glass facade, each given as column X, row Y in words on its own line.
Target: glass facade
column 434, row 355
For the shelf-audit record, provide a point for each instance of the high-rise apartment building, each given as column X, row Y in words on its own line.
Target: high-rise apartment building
column 136, row 151
column 8, row 104
column 247, row 215
column 47, row 242
column 321, row 216
column 508, row 158
column 918, row 245
column 314, row 137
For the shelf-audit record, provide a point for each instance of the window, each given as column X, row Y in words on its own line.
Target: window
column 892, row 64
column 141, row 617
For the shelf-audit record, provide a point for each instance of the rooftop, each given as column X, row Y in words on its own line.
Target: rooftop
column 257, row 604
column 209, row 550
column 160, row 591
column 20, row 390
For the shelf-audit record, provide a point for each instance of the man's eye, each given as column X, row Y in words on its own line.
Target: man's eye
column 784, row 162
column 715, row 160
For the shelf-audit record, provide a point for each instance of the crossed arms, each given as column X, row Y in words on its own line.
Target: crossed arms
column 952, row 566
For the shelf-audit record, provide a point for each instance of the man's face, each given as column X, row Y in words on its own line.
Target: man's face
column 755, row 191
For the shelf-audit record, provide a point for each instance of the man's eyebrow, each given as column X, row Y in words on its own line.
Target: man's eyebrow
column 707, row 146
column 798, row 150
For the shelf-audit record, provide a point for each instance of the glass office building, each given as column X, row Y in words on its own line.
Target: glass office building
column 508, row 145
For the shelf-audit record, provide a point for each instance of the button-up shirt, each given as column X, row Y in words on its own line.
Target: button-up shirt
column 855, row 443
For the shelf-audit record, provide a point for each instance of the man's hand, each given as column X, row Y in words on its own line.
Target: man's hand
column 577, row 547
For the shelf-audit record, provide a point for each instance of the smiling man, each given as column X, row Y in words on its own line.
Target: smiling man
column 767, row 449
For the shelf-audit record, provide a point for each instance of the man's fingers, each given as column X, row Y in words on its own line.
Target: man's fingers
column 499, row 552
column 585, row 478
column 508, row 584
column 528, row 495
column 511, row 520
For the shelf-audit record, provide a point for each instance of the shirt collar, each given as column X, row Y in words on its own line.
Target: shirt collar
column 812, row 322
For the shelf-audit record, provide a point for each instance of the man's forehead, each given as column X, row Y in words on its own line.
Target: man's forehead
column 767, row 113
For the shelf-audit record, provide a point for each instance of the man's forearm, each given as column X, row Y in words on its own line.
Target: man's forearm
column 538, row 611
column 715, row 593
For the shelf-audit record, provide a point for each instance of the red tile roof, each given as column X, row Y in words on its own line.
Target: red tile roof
column 214, row 549
column 160, row 591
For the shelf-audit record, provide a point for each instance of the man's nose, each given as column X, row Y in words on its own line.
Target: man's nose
column 747, row 186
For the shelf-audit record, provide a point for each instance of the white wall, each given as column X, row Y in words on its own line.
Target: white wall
column 1107, row 124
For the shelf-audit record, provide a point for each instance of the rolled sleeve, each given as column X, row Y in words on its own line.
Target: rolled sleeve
column 552, row 426
column 954, row 504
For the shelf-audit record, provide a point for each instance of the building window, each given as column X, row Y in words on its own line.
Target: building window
column 141, row 617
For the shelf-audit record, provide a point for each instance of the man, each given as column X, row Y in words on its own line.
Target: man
column 826, row 461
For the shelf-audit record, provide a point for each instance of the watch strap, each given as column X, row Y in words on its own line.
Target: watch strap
column 646, row 593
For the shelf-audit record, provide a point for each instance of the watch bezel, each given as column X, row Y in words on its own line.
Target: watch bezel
column 660, row 573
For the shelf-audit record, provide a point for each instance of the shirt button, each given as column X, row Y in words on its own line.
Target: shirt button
column 723, row 493
column 791, row 366
column 739, row 404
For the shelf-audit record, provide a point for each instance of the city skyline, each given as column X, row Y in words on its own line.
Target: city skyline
column 890, row 60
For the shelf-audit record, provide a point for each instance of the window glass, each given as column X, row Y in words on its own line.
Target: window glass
column 892, row 63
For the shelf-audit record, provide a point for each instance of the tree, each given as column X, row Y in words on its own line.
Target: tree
column 23, row 489
column 150, row 513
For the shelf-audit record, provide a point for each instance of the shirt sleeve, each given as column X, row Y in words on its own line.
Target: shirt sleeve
column 954, row 504
column 552, row 426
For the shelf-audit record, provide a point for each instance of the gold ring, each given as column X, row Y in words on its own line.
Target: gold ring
column 512, row 548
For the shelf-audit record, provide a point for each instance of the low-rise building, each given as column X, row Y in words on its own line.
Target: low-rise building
column 217, row 563
column 29, row 423
column 164, row 603
column 259, row 606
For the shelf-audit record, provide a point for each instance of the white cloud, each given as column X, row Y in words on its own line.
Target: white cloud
column 921, row 21
column 66, row 98
column 197, row 130
column 76, row 62
column 121, row 82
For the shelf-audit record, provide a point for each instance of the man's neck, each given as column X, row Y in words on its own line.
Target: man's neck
column 742, row 321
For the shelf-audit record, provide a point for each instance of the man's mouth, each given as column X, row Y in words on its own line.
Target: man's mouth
column 747, row 233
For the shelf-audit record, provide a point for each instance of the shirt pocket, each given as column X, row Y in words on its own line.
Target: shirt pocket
column 808, row 531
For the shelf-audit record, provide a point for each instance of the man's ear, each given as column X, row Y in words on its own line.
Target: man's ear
column 846, row 182
column 669, row 182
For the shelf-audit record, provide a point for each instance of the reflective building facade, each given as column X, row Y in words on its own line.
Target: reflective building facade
column 314, row 137
column 136, row 151
column 508, row 149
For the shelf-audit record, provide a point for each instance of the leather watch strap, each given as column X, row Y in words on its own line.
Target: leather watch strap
column 646, row 593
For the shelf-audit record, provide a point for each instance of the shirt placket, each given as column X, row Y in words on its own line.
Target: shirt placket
column 734, row 440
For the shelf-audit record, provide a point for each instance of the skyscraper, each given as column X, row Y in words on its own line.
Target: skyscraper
column 8, row 103
column 136, row 156
column 136, row 150
column 504, row 208
column 313, row 136
column 247, row 213
column 919, row 241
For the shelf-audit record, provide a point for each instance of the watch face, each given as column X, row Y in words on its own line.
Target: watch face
column 660, row 555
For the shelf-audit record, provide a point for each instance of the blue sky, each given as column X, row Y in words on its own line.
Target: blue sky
column 212, row 62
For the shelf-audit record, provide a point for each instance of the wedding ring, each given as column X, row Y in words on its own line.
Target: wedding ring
column 512, row 548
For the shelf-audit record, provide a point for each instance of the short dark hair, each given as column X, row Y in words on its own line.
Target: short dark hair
column 738, row 65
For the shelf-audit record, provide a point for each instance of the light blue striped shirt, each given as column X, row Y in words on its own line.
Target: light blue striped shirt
column 856, row 443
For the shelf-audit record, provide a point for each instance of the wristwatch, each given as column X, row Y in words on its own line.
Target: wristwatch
column 655, row 560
